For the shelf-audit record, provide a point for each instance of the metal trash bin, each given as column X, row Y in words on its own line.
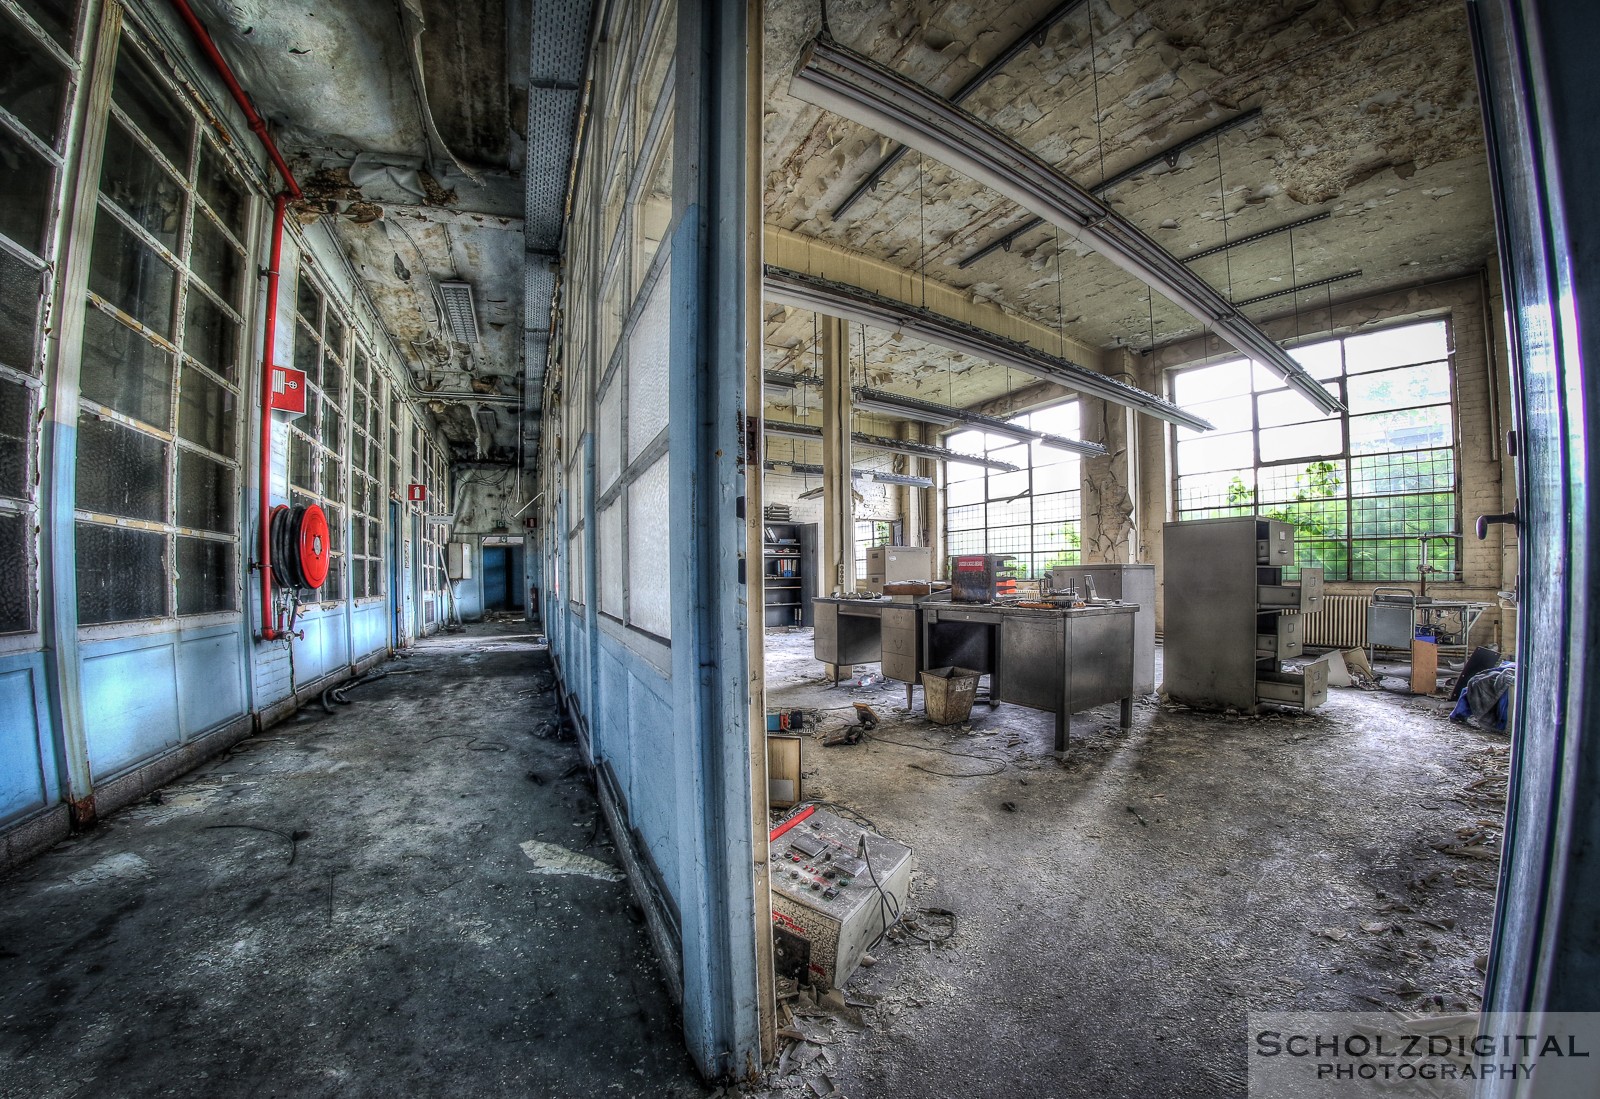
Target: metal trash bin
column 948, row 694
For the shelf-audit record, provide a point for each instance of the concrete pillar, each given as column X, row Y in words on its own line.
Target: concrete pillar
column 1110, row 482
column 838, row 506
column 913, row 501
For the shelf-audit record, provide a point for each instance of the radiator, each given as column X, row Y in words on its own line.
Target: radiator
column 1341, row 623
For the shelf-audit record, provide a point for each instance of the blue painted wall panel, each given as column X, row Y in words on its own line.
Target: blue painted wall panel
column 27, row 763
column 369, row 628
column 211, row 677
column 130, row 702
column 652, row 798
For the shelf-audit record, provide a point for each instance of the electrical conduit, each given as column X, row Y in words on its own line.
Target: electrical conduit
column 269, row 336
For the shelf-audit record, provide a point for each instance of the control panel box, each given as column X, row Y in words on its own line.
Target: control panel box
column 838, row 885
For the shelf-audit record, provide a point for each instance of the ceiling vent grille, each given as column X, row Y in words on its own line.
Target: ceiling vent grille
column 459, row 308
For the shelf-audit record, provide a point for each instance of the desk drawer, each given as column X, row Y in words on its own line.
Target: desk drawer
column 1307, row 689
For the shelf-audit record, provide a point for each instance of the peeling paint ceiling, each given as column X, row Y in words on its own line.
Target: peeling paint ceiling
column 1368, row 113
column 404, row 122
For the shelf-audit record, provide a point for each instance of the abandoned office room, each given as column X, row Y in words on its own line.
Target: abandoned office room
column 868, row 548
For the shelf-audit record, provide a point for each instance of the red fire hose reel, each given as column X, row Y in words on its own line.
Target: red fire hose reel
column 300, row 545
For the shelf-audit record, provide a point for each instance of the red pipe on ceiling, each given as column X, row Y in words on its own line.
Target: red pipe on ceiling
column 269, row 336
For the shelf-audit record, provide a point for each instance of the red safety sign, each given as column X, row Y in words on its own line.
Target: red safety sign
column 416, row 493
column 289, row 390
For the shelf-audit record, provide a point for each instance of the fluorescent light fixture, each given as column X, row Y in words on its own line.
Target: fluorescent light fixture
column 459, row 310
column 864, row 307
column 811, row 470
column 883, row 442
column 859, row 89
column 783, row 379
column 917, row 409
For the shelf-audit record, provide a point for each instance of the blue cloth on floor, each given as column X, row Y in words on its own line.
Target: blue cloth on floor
column 1487, row 697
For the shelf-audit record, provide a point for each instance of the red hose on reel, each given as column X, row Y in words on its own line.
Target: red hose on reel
column 300, row 545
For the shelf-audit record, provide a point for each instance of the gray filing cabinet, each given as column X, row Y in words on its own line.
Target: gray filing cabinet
column 1128, row 584
column 1231, row 619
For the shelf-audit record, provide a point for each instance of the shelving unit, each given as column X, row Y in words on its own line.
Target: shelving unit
column 1231, row 619
column 788, row 573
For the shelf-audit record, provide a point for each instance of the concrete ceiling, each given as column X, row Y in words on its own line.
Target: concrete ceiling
column 404, row 121
column 1368, row 112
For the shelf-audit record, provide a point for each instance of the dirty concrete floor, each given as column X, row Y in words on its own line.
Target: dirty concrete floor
column 341, row 907
column 1117, row 915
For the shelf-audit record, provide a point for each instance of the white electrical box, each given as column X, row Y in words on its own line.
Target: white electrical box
column 839, row 897
column 458, row 560
column 887, row 564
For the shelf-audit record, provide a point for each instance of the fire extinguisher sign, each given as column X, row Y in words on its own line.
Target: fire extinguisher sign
column 416, row 493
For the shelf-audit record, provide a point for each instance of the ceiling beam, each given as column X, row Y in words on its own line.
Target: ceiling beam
column 788, row 249
column 858, row 88
column 1033, row 36
column 853, row 303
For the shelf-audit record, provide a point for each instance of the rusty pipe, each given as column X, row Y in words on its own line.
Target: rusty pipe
column 269, row 331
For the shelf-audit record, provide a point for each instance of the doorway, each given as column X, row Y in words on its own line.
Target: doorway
column 502, row 578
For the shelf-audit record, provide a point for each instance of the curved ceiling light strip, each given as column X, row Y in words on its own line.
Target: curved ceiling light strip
column 836, row 299
column 883, row 442
column 858, row 88
column 915, row 408
column 809, row 469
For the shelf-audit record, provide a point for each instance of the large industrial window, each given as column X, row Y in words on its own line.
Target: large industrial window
column 317, row 439
column 36, row 92
column 1032, row 514
column 367, row 499
column 869, row 533
column 158, row 438
column 1360, row 487
column 629, row 175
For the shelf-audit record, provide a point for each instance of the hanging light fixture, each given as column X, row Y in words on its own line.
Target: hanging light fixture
column 915, row 408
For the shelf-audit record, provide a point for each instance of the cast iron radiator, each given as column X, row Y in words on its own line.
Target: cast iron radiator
column 1341, row 623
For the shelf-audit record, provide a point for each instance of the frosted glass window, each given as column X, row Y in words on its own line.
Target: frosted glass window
column 647, row 368
column 608, row 559
column 576, row 589
column 649, row 569
column 608, row 437
column 574, row 495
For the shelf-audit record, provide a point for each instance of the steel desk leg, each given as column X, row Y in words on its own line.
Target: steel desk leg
column 1127, row 712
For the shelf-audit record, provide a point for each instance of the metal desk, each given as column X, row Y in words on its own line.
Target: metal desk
column 865, row 631
column 1064, row 661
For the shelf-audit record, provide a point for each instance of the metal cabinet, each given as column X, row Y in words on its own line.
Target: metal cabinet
column 1231, row 618
column 1130, row 584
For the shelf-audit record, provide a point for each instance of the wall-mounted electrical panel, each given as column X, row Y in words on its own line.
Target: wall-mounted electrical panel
column 458, row 561
column 838, row 885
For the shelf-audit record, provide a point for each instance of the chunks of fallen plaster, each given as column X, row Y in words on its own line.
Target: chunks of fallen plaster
column 550, row 858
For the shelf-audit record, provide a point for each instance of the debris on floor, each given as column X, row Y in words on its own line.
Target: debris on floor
column 548, row 858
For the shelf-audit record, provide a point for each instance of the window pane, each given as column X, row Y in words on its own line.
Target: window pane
column 1411, row 429
column 215, row 259
column 210, row 335
column 1411, row 385
column 57, row 17
column 126, row 273
column 122, row 574
column 123, row 370
column 1302, row 441
column 16, row 587
column 121, row 471
column 308, row 302
column 21, row 294
column 27, row 184
column 650, row 584
column 1386, row 473
column 16, row 407
column 1410, row 515
column 139, row 93
column 1227, row 416
column 332, row 379
column 221, row 191
column 1211, row 383
column 205, row 493
column 1214, row 452
column 1322, row 361
column 33, row 85
column 206, row 582
column 334, row 337
column 307, row 354
column 300, row 461
column 1416, row 343
column 1226, row 492
column 140, row 187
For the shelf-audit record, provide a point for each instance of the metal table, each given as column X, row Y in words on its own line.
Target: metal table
column 865, row 631
column 1064, row 661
